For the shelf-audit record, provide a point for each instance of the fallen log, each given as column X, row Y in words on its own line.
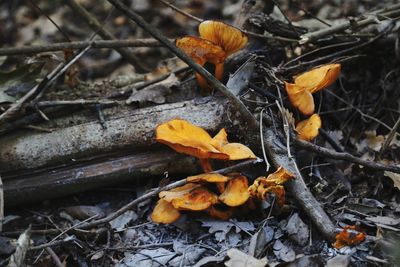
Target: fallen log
column 62, row 181
column 133, row 130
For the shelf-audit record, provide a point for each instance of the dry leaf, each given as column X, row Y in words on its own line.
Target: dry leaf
column 236, row 192
column 238, row 258
column 308, row 129
column 164, row 212
column 155, row 93
column 395, row 178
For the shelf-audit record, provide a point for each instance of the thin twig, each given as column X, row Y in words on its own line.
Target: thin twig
column 34, row 49
column 54, row 256
column 329, row 153
column 360, row 22
column 177, row 9
column 76, row 102
column 99, row 29
column 40, row 88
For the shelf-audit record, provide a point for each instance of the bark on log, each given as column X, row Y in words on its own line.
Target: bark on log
column 57, row 182
column 133, row 130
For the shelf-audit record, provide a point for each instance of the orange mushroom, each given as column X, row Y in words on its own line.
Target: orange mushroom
column 164, row 212
column 202, row 51
column 300, row 98
column 349, row 238
column 197, row 199
column 236, row 192
column 308, row 129
column 271, row 184
column 187, row 138
column 318, row 78
column 300, row 92
column 177, row 192
column 208, row 177
column 231, row 39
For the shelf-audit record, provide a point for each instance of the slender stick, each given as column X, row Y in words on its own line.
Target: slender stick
column 344, row 156
column 34, row 49
column 99, row 29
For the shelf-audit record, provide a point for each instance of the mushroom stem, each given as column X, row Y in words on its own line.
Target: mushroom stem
column 219, row 71
column 205, row 164
column 205, row 88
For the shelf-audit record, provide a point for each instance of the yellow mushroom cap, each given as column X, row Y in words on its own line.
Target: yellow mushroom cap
column 201, row 50
column 318, row 78
column 187, row 138
column 308, row 129
column 300, row 98
column 231, row 39
column 197, row 199
column 236, row 192
column 208, row 177
column 164, row 212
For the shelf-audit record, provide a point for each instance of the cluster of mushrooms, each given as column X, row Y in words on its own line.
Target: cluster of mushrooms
column 217, row 41
column 300, row 96
column 221, row 196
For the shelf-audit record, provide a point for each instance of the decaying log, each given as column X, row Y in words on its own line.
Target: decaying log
column 57, row 182
column 133, row 130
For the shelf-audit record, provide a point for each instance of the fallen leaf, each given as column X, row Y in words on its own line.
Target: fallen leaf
column 155, row 93
column 146, row 256
column 122, row 220
column 238, row 258
column 18, row 81
column 395, row 178
column 383, row 220
column 298, row 230
column 283, row 252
